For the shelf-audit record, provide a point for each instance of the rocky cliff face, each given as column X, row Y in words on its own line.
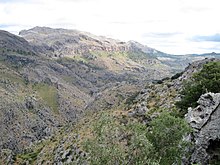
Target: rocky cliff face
column 205, row 120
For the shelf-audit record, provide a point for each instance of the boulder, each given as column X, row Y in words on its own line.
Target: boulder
column 205, row 121
column 139, row 111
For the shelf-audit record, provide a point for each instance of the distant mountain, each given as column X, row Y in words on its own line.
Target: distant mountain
column 62, row 42
column 100, row 51
column 179, row 62
column 87, row 47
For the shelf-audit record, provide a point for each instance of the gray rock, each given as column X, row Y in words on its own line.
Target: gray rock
column 7, row 156
column 30, row 102
column 69, row 159
column 205, row 120
column 139, row 111
column 65, row 153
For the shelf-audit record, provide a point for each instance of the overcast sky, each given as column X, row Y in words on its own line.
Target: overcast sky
column 171, row 26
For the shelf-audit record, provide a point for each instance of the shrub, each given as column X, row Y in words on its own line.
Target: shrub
column 176, row 76
column 207, row 80
column 103, row 147
column 134, row 143
column 166, row 135
column 113, row 143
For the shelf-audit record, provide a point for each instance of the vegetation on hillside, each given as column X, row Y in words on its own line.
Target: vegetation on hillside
column 113, row 142
column 108, row 138
column 207, row 80
column 15, row 51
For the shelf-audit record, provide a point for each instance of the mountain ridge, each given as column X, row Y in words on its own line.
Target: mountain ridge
column 70, row 43
column 102, row 43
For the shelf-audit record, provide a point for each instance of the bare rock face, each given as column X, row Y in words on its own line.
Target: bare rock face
column 205, row 120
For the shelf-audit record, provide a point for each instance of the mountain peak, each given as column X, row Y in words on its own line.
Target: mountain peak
column 46, row 30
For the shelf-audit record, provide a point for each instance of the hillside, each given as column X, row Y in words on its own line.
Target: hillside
column 12, row 43
column 126, row 130
column 41, row 92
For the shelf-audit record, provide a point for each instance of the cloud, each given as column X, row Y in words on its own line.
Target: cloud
column 161, row 35
column 5, row 26
column 164, row 25
column 9, row 1
column 211, row 38
column 17, row 1
column 194, row 9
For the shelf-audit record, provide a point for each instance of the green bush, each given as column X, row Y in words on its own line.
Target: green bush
column 134, row 143
column 31, row 157
column 103, row 147
column 176, row 76
column 114, row 143
column 140, row 150
column 207, row 80
column 166, row 135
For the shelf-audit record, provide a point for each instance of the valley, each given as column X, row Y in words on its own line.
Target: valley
column 56, row 83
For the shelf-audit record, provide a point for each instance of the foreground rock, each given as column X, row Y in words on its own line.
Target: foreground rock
column 205, row 120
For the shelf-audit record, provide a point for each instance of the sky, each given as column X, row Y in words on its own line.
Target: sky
column 171, row 26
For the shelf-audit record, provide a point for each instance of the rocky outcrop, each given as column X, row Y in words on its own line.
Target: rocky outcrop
column 205, row 121
column 195, row 67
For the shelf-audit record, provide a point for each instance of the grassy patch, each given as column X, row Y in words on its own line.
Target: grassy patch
column 69, row 59
column 79, row 58
column 31, row 157
column 137, row 56
column 11, row 77
column 104, row 54
column 48, row 94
